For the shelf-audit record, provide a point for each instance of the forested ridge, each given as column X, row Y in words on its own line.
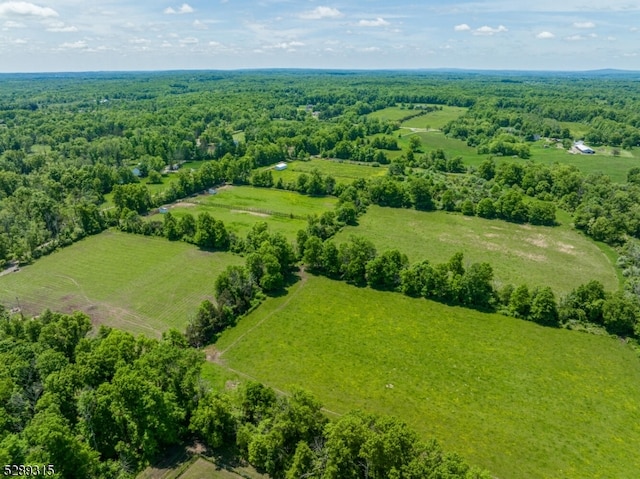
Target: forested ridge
column 81, row 153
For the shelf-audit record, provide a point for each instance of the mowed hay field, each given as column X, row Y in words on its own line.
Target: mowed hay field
column 509, row 395
column 240, row 207
column 434, row 119
column 136, row 283
column 558, row 256
column 342, row 171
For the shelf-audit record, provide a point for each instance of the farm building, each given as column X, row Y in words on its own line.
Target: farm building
column 281, row 166
column 584, row 149
column 163, row 210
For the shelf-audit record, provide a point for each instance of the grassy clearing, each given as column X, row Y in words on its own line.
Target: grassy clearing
column 343, row 172
column 436, row 119
column 511, row 396
column 434, row 140
column 240, row 207
column 139, row 284
column 392, row 113
column 578, row 130
column 202, row 468
column 558, row 256
column 603, row 161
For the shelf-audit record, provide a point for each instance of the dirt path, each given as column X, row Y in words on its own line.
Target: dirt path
column 303, row 280
column 215, row 356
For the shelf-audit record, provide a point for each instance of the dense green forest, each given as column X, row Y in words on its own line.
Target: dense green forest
column 82, row 153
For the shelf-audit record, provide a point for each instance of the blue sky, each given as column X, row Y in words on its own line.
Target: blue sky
column 75, row 35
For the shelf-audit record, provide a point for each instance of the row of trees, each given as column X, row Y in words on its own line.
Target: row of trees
column 105, row 405
column 290, row 437
column 357, row 261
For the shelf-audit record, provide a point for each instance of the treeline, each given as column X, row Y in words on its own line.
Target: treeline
column 106, row 405
column 356, row 261
column 63, row 147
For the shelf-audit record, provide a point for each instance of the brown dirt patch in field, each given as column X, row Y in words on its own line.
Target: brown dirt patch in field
column 539, row 241
column 566, row 248
column 254, row 213
column 183, row 204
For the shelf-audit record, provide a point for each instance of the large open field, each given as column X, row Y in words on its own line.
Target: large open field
column 511, row 396
column 342, row 171
column 140, row 284
column 240, row 207
column 602, row 162
column 434, row 119
column 559, row 256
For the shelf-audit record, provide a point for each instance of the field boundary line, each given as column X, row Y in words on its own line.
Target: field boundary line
column 303, row 280
column 279, row 391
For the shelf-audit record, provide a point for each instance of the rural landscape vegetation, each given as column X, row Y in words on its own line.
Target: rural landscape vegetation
column 320, row 274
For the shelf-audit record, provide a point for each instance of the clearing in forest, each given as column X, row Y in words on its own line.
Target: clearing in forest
column 429, row 120
column 240, row 207
column 509, row 395
column 341, row 170
column 135, row 283
column 558, row 256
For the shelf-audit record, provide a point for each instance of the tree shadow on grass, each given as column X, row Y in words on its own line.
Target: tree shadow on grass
column 290, row 280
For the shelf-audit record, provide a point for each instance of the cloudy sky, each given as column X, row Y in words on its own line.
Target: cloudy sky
column 76, row 35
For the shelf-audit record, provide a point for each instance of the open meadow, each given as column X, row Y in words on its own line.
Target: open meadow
column 136, row 283
column 514, row 397
column 342, row 171
column 240, row 207
column 558, row 256
column 430, row 120
column 603, row 161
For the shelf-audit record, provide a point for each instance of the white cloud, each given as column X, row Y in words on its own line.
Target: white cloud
column 188, row 41
column 74, row 45
column 200, row 25
column 584, row 25
column 545, row 35
column 462, row 28
column 27, row 9
column 370, row 49
column 320, row 13
column 60, row 27
column 378, row 22
column 11, row 24
column 285, row 45
column 139, row 41
column 185, row 8
column 488, row 31
column 68, row 29
column 575, row 38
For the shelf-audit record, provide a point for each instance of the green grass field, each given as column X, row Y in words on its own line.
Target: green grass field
column 240, row 207
column 433, row 140
column 602, row 162
column 516, row 398
column 343, row 172
column 559, row 256
column 202, row 468
column 140, row 284
column 435, row 119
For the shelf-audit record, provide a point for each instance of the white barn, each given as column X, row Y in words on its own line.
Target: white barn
column 584, row 149
column 280, row 166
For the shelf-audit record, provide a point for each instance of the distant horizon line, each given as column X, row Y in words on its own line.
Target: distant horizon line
column 320, row 70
